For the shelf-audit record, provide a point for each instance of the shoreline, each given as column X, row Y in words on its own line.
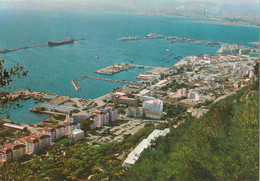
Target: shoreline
column 136, row 13
column 226, row 23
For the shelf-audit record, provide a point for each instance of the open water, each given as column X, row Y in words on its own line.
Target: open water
column 51, row 69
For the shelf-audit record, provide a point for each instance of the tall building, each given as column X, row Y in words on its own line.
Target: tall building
column 44, row 140
column 76, row 134
column 5, row 154
column 181, row 92
column 60, row 131
column 113, row 114
column 77, row 118
column 153, row 105
column 153, row 109
column 48, row 131
column 103, row 117
column 31, row 144
column 18, row 150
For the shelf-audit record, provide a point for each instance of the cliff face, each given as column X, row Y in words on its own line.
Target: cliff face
column 222, row 145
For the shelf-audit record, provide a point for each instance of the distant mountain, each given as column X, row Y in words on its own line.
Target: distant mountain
column 173, row 7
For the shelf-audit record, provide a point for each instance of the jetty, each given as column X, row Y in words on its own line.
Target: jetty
column 174, row 39
column 143, row 66
column 33, row 46
column 77, row 87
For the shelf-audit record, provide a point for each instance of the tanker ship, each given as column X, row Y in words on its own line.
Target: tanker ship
column 56, row 43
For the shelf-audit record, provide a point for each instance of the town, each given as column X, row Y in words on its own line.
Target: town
column 189, row 87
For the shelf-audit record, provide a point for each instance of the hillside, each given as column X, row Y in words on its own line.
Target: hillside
column 223, row 145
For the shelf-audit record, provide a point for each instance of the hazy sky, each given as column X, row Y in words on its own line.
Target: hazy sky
column 50, row 2
column 136, row 5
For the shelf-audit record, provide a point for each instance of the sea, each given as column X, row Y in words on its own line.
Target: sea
column 51, row 69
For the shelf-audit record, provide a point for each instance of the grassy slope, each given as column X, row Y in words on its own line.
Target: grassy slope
column 223, row 145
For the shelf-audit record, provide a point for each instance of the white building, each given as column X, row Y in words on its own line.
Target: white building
column 31, row 144
column 135, row 154
column 60, row 131
column 146, row 98
column 153, row 105
column 134, row 112
column 161, row 83
column 17, row 149
column 153, row 115
column 5, row 154
column 153, row 109
column 77, row 134
column 48, row 131
column 77, row 118
column 103, row 117
column 44, row 140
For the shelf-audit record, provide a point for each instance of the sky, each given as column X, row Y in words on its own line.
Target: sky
column 91, row 2
column 229, row 6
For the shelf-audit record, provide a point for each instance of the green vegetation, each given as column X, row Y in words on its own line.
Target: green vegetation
column 174, row 86
column 6, row 77
column 10, row 134
column 68, row 160
column 174, row 110
column 223, row 145
column 121, row 111
column 85, row 125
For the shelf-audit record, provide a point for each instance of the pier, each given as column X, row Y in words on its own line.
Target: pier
column 77, row 87
column 143, row 66
column 33, row 46
column 14, row 49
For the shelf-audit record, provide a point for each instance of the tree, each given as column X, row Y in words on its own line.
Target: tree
column 6, row 77
column 85, row 124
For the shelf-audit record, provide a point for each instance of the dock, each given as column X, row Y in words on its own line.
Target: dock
column 33, row 46
column 143, row 66
column 77, row 87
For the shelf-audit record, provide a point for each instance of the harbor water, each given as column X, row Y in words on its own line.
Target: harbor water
column 51, row 69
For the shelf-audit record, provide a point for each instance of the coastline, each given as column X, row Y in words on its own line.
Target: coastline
column 226, row 23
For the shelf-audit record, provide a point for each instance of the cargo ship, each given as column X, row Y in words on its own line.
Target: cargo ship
column 56, row 43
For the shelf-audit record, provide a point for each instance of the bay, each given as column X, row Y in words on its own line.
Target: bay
column 51, row 69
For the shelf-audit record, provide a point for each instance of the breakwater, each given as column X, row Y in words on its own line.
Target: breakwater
column 174, row 39
column 77, row 87
column 33, row 46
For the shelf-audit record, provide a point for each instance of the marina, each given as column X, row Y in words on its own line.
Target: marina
column 46, row 65
column 77, row 87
